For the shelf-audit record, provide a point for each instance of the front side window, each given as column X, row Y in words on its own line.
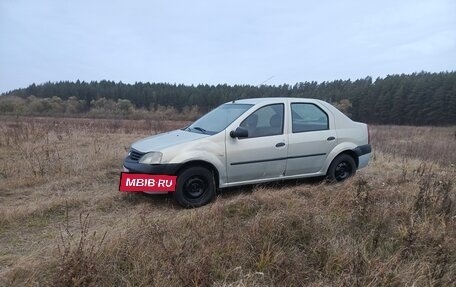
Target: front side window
column 218, row 119
column 266, row 121
column 308, row 117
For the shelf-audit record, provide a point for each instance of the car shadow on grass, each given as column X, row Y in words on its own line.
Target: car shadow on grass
column 158, row 200
column 167, row 201
column 246, row 189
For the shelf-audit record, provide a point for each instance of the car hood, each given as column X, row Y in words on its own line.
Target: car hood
column 164, row 140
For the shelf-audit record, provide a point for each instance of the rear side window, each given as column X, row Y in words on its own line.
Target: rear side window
column 308, row 117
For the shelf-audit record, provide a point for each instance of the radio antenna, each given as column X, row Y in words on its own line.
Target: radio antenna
column 266, row 80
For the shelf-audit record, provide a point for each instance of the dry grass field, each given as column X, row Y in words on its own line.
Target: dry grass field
column 63, row 222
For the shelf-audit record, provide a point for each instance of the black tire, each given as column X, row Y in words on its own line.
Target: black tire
column 341, row 168
column 195, row 187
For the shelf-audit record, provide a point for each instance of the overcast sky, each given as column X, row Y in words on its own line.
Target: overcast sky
column 233, row 42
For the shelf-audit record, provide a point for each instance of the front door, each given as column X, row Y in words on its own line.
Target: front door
column 262, row 155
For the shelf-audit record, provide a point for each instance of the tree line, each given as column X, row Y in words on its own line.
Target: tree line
column 100, row 108
column 414, row 99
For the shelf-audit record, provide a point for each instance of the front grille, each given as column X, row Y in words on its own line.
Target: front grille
column 135, row 155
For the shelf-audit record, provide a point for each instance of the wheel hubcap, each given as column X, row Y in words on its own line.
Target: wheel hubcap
column 343, row 171
column 195, row 187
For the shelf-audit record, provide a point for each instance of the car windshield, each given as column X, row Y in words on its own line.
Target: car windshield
column 218, row 119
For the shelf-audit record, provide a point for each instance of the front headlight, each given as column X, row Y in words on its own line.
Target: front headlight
column 154, row 157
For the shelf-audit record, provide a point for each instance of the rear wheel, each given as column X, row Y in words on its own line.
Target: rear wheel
column 195, row 187
column 341, row 168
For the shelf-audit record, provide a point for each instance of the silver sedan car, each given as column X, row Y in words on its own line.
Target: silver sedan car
column 253, row 141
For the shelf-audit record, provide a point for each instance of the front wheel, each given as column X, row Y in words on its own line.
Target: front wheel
column 195, row 187
column 341, row 168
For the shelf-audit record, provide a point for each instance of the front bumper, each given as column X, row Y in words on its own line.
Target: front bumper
column 135, row 167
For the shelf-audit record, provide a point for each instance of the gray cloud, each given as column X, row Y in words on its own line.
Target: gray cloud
column 234, row 42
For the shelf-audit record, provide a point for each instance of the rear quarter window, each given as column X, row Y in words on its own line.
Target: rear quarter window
column 307, row 117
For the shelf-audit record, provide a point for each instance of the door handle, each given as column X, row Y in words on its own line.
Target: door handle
column 280, row 144
column 330, row 138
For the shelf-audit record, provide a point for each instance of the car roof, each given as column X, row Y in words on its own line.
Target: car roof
column 255, row 101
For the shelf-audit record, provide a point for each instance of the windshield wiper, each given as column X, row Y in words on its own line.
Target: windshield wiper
column 200, row 129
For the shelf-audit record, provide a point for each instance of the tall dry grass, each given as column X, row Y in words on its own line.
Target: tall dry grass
column 64, row 223
column 430, row 144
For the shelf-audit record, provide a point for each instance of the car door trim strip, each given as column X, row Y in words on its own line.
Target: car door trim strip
column 276, row 159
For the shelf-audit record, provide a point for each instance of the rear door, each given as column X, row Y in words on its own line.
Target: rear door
column 312, row 136
column 262, row 155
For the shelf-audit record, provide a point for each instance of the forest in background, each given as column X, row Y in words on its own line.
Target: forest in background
column 407, row 99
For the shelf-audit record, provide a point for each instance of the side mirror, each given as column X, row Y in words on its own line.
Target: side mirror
column 240, row 132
